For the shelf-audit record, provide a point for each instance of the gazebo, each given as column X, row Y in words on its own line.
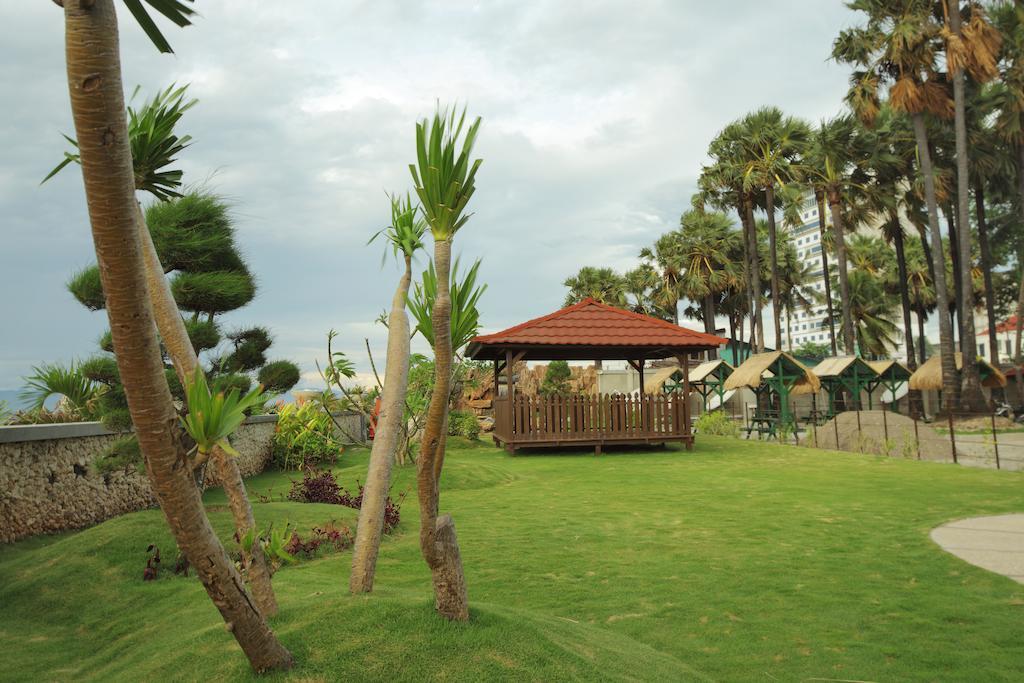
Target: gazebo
column 591, row 330
column 891, row 374
column 845, row 373
column 772, row 373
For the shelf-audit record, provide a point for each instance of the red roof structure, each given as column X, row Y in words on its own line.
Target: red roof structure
column 591, row 330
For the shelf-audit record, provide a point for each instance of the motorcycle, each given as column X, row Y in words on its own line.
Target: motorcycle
column 1003, row 409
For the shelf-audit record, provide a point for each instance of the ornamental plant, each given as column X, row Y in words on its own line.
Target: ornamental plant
column 304, row 437
column 212, row 417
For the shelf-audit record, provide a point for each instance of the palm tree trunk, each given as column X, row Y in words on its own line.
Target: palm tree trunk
column 370, row 528
column 755, row 273
column 97, row 104
column 986, row 274
column 901, row 266
column 769, row 194
column 820, row 197
column 186, row 364
column 839, row 240
column 789, row 332
column 923, row 352
column 971, row 398
column 957, row 302
column 741, row 207
column 949, row 377
column 438, row 542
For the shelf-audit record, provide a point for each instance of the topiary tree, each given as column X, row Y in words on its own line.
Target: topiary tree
column 195, row 241
column 556, row 378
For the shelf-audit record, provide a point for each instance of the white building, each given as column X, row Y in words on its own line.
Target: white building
column 1006, row 335
column 809, row 326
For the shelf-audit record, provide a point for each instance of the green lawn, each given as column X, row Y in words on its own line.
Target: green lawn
column 737, row 561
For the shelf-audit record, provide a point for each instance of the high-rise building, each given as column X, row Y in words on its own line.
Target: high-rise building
column 809, row 326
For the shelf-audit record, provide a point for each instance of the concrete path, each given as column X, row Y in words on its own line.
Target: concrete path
column 993, row 543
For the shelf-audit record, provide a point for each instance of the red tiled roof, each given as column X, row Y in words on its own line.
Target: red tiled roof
column 1009, row 325
column 591, row 323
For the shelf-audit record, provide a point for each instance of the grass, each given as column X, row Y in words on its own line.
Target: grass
column 736, row 561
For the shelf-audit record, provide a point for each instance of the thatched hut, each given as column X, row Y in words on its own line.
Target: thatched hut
column 709, row 378
column 928, row 377
column 892, row 374
column 774, row 377
column 840, row 374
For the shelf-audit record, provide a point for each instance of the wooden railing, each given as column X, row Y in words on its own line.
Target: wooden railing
column 590, row 418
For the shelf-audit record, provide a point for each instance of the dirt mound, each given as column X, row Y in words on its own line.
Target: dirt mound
column 883, row 433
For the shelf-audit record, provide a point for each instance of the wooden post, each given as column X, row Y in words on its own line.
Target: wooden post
column 686, row 403
column 510, row 392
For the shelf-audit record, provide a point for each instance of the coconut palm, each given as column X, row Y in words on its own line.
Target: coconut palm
column 404, row 237
column 101, row 126
column 640, row 284
column 899, row 45
column 444, row 179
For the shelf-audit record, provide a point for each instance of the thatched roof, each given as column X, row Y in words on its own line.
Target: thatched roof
column 752, row 372
column 928, row 377
column 890, row 369
column 841, row 366
column 718, row 368
column 654, row 382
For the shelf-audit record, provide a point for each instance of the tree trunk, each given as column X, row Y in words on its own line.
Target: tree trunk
column 748, row 268
column 839, row 240
column 183, row 356
column 820, row 197
column 956, row 301
column 382, row 456
column 986, row 274
column 949, row 376
column 755, row 272
column 913, row 397
column 437, row 534
column 97, row 104
column 789, row 332
column 972, row 399
column 921, row 344
column 769, row 194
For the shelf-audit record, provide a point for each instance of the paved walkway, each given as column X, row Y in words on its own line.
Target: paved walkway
column 993, row 543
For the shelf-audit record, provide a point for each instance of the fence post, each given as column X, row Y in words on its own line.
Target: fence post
column 995, row 439
column 885, row 430
column 952, row 436
column 835, row 423
column 917, row 439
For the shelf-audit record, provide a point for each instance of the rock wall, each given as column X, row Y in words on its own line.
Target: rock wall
column 48, row 482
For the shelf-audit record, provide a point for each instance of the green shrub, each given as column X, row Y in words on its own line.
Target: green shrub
column 120, row 455
column 718, row 423
column 463, row 423
column 556, row 378
column 278, row 376
column 304, row 437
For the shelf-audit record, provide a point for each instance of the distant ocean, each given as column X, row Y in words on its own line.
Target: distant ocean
column 11, row 396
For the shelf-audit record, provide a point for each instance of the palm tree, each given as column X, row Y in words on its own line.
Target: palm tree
column 155, row 146
column 794, row 284
column 640, row 284
column 98, row 108
column 921, row 290
column 706, row 245
column 444, row 179
column 828, row 162
column 973, row 51
column 774, row 145
column 666, row 258
column 600, row 284
column 899, row 44
column 405, row 237
column 724, row 185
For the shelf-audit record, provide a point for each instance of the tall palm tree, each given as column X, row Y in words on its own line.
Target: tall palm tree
column 640, row 285
column 98, row 108
column 973, row 51
column 444, row 178
column 899, row 45
column 724, row 185
column 794, row 284
column 707, row 242
column 666, row 258
column 404, row 237
column 774, row 145
column 829, row 158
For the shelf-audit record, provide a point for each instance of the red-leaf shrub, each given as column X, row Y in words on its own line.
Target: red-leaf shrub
column 321, row 486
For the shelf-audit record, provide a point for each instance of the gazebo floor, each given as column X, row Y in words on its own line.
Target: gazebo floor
column 545, row 441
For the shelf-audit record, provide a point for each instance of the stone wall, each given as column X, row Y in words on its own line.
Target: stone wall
column 48, row 482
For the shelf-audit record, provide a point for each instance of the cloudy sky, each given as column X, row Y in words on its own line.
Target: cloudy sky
column 596, row 118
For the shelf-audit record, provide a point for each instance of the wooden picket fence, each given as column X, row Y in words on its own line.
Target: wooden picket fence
column 591, row 419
